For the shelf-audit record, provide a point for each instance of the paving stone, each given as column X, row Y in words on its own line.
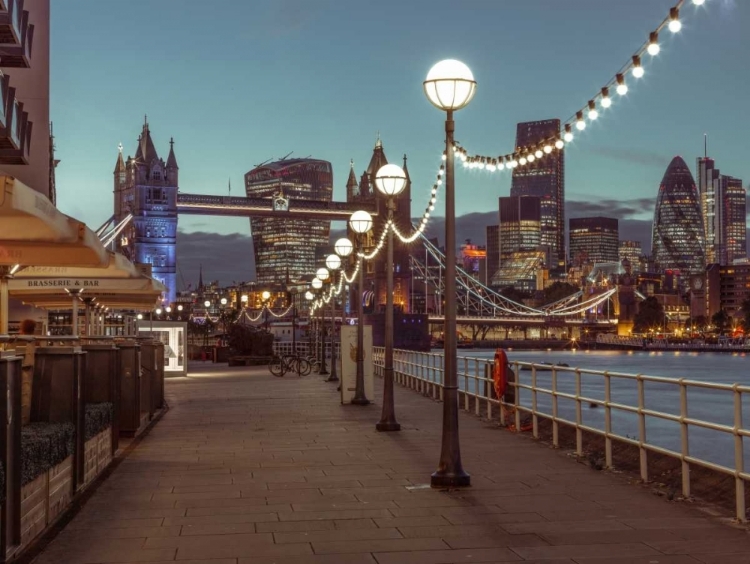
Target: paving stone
column 579, row 551
column 337, row 535
column 448, row 556
column 368, row 545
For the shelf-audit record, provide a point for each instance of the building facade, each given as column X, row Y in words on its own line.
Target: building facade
column 146, row 186
column 727, row 286
column 365, row 191
column 595, row 238
column 723, row 205
column 520, row 225
column 632, row 251
column 678, row 232
column 493, row 252
column 286, row 250
column 544, row 179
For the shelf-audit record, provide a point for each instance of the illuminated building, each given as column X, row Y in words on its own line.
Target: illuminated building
column 520, row 225
column 146, row 186
column 723, row 205
column 632, row 251
column 493, row 252
column 727, row 286
column 286, row 249
column 596, row 238
column 524, row 270
column 544, row 179
column 473, row 259
column 678, row 232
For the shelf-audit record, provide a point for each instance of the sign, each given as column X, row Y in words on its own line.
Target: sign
column 44, row 285
column 349, row 363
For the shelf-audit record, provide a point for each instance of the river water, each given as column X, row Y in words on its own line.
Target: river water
column 715, row 406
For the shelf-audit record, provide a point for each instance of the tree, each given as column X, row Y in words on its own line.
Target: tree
column 650, row 316
column 721, row 320
column 558, row 291
column 512, row 293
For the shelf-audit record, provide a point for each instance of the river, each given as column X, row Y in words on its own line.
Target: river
column 709, row 405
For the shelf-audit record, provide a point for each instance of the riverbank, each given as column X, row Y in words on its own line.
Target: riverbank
column 569, row 345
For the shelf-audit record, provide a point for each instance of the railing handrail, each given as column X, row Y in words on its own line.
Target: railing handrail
column 424, row 371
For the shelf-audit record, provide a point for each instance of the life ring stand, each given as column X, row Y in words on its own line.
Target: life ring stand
column 500, row 373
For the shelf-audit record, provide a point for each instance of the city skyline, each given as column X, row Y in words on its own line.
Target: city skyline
column 93, row 114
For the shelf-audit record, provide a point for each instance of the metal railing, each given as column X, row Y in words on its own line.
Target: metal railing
column 302, row 347
column 559, row 393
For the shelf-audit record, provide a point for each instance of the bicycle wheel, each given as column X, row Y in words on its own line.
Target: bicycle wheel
column 304, row 366
column 278, row 367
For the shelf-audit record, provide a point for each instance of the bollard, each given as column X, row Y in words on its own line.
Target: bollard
column 130, row 387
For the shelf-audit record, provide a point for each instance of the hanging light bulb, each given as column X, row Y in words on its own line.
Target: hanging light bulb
column 500, row 163
column 444, row 157
column 530, row 158
column 513, row 163
column 606, row 100
column 522, row 161
column 622, row 88
column 482, row 164
column 653, row 44
column 580, row 124
column 463, row 156
column 568, row 134
column 698, row 2
column 637, row 68
column 432, row 207
column 547, row 148
column 675, row 24
column 593, row 114
column 559, row 144
column 538, row 153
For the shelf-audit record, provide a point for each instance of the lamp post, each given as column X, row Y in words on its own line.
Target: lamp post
column 333, row 263
column 324, row 276
column 317, row 284
column 309, row 296
column 361, row 223
column 450, row 86
column 390, row 180
column 266, row 295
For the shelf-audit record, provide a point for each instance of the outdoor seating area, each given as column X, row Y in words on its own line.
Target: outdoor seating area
column 58, row 437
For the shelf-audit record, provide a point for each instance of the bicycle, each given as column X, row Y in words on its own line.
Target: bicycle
column 290, row 363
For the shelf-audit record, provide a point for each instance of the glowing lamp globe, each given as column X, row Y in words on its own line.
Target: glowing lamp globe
column 266, row 295
column 333, row 262
column 309, row 295
column 179, row 307
column 158, row 311
column 223, row 301
column 450, row 85
column 139, row 316
column 323, row 274
column 207, row 303
column 244, row 298
column 344, row 247
column 168, row 309
column 390, row 180
column 360, row 222
column 317, row 283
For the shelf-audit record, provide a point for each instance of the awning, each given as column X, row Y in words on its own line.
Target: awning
column 34, row 232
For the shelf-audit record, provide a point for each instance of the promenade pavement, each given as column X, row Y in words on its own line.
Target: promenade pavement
column 246, row 468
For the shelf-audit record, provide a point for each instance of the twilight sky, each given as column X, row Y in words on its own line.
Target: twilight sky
column 237, row 83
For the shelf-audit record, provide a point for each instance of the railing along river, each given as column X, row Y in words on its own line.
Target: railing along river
column 547, row 392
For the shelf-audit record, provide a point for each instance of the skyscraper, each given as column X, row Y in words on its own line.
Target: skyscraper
column 147, row 187
column 678, row 232
column 285, row 249
column 493, row 251
column 723, row 204
column 544, row 179
column 596, row 238
column 520, row 225
column 632, row 251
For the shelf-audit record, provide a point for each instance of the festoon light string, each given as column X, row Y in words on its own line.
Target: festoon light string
column 602, row 100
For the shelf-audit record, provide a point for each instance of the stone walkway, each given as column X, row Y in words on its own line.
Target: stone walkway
column 246, row 468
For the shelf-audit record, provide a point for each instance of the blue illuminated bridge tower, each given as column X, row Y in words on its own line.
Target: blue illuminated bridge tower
column 146, row 187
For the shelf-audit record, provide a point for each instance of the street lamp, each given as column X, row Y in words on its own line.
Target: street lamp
column 333, row 263
column 317, row 284
column 309, row 296
column 223, row 301
column 266, row 295
column 323, row 275
column 360, row 222
column 207, row 303
column 390, row 180
column 450, row 86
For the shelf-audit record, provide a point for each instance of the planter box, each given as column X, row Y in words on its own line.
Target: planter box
column 97, row 455
column 130, row 388
column 44, row 499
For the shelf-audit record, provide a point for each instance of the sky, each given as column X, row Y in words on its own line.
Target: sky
column 236, row 83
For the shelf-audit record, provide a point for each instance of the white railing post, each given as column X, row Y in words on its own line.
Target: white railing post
column 684, row 440
column 517, row 402
column 643, row 453
column 442, row 376
column 607, row 420
column 739, row 457
column 476, row 386
column 555, row 424
column 579, row 415
column 534, row 416
column 487, row 390
column 466, row 384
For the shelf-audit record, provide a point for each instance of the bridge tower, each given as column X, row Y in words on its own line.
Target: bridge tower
column 146, row 187
column 365, row 191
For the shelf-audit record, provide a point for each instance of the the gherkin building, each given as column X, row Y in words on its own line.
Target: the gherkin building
column 678, row 238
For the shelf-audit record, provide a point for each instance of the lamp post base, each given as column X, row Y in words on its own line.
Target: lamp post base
column 323, row 373
column 387, row 426
column 332, row 378
column 360, row 401
column 445, row 479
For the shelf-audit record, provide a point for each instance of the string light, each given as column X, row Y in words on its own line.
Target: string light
column 634, row 66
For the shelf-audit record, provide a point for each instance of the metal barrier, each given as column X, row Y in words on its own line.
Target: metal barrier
column 302, row 348
column 423, row 372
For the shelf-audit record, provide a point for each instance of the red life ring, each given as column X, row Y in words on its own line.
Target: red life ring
column 500, row 372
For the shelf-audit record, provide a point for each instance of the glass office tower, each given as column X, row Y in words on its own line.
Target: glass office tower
column 596, row 238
